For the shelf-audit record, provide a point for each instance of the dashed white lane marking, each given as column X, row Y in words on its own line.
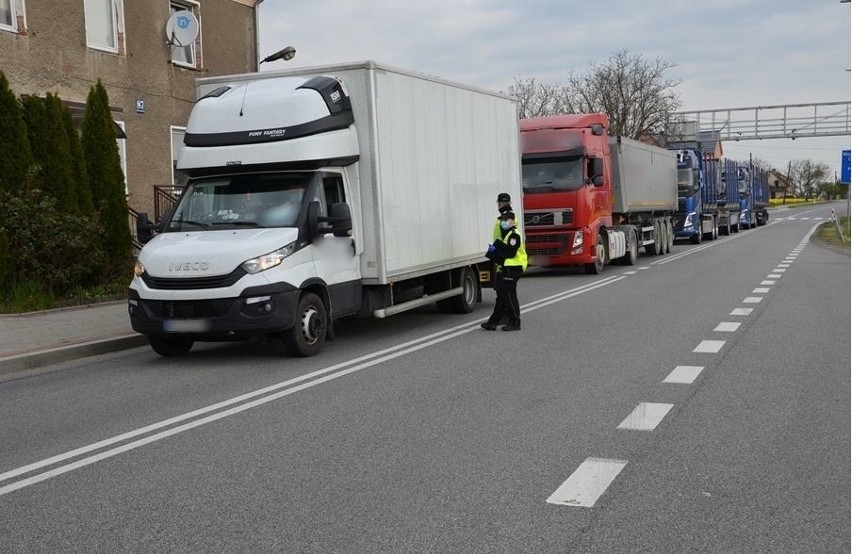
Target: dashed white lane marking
column 760, row 290
column 587, row 483
column 644, row 267
column 742, row 311
column 646, row 416
column 752, row 300
column 728, row 326
column 776, row 275
column 684, row 374
column 768, row 282
column 784, row 265
column 631, row 272
column 710, row 346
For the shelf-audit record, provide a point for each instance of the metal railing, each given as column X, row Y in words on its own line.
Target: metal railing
column 165, row 198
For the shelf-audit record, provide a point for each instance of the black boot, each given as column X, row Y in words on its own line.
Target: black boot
column 488, row 326
column 512, row 327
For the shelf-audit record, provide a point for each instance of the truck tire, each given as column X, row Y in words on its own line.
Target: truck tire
column 597, row 266
column 715, row 229
column 465, row 303
column 657, row 246
column 669, row 235
column 736, row 227
column 168, row 346
column 695, row 239
column 632, row 249
column 307, row 336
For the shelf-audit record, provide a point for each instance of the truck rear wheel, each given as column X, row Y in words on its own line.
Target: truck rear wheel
column 655, row 248
column 466, row 302
column 307, row 336
column 168, row 346
column 670, row 234
column 632, row 249
column 597, row 266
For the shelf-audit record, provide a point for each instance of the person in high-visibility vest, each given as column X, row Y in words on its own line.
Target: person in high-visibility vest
column 508, row 252
column 504, row 204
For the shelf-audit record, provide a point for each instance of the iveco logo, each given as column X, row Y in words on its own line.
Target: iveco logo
column 188, row 266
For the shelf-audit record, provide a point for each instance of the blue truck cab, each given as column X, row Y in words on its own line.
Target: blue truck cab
column 753, row 188
column 697, row 190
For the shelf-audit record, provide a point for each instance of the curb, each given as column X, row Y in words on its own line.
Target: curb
column 41, row 358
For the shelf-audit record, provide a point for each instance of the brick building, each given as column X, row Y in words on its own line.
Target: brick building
column 65, row 46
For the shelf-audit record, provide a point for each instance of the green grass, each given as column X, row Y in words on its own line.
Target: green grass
column 827, row 234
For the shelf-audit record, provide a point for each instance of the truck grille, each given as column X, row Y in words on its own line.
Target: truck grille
column 188, row 309
column 192, row 283
column 545, row 219
column 547, row 245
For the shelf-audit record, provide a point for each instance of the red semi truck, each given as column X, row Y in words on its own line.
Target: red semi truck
column 591, row 199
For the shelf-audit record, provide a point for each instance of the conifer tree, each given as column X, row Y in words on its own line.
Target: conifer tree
column 106, row 179
column 54, row 174
column 78, row 164
column 15, row 154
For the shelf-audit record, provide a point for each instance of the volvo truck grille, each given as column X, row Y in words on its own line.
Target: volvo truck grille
column 548, row 219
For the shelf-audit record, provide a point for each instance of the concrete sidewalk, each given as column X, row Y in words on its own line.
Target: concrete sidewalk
column 33, row 340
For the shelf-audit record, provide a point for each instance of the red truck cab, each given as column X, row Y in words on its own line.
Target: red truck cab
column 567, row 189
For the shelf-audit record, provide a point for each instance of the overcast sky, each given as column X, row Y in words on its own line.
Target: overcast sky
column 729, row 53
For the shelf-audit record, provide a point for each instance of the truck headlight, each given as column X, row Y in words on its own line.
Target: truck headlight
column 578, row 239
column 743, row 215
column 268, row 261
column 138, row 268
column 688, row 221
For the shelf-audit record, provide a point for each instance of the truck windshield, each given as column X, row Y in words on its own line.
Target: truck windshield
column 240, row 201
column 686, row 185
column 552, row 175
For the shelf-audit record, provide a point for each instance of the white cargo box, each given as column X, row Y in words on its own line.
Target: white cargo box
column 433, row 157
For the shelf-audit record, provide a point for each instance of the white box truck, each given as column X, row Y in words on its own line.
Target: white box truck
column 313, row 194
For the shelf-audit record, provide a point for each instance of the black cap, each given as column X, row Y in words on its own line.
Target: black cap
column 507, row 215
column 504, row 197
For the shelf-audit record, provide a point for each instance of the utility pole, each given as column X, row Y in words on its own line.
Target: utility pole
column 787, row 184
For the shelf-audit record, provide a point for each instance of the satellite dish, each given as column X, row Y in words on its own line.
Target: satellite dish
column 182, row 28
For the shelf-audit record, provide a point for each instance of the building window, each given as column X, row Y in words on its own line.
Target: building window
column 185, row 54
column 102, row 24
column 10, row 10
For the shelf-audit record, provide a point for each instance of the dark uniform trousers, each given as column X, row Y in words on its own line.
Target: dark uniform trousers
column 506, row 285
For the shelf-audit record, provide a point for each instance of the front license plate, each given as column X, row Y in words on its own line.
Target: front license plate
column 185, row 325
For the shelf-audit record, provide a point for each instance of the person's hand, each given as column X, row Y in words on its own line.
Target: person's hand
column 491, row 248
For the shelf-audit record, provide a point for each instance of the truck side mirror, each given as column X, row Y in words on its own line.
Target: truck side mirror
column 144, row 228
column 340, row 219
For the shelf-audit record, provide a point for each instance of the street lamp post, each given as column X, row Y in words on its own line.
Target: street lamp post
column 286, row 53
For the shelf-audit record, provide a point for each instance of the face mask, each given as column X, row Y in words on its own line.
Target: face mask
column 505, row 225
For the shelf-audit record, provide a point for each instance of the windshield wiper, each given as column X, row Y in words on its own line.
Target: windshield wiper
column 190, row 222
column 237, row 223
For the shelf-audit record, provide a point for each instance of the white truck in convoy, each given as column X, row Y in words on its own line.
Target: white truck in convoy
column 351, row 190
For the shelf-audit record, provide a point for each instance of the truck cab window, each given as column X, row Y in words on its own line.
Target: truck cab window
column 332, row 184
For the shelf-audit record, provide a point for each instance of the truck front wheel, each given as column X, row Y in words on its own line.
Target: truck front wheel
column 307, row 336
column 597, row 266
column 167, row 346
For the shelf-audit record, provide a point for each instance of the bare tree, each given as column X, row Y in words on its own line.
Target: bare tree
column 535, row 98
column 633, row 91
column 807, row 175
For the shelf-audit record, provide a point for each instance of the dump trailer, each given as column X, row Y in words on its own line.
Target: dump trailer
column 591, row 199
column 350, row 190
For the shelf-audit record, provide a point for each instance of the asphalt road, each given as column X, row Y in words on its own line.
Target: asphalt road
column 696, row 402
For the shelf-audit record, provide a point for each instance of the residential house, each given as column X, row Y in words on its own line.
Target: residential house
column 65, row 46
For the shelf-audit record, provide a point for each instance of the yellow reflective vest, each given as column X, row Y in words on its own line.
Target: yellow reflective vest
column 520, row 257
